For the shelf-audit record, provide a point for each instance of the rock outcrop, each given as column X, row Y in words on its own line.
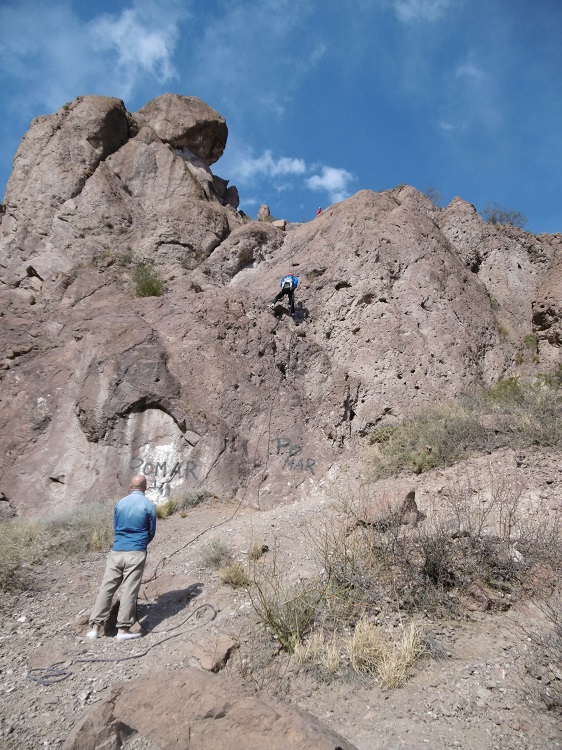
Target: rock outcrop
column 399, row 304
column 186, row 122
column 193, row 710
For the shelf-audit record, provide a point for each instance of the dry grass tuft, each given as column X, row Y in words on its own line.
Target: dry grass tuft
column 182, row 500
column 366, row 647
column 86, row 528
column 19, row 546
column 235, row 575
column 319, row 649
column 373, row 654
column 396, row 661
column 216, row 554
column 25, row 541
column 257, row 551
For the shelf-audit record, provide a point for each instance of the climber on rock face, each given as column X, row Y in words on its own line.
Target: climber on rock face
column 288, row 285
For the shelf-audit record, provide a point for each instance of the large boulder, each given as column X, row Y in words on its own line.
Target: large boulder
column 547, row 308
column 87, row 182
column 509, row 262
column 193, row 710
column 56, row 157
column 186, row 121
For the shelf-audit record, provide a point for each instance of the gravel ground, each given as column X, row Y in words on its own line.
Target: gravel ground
column 472, row 697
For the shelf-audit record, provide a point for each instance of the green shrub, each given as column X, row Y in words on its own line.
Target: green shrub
column 531, row 342
column 438, row 436
column 147, row 283
column 125, row 259
column 503, row 331
column 288, row 610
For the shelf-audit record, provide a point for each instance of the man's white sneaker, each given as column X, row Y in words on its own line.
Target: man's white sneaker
column 127, row 636
column 93, row 633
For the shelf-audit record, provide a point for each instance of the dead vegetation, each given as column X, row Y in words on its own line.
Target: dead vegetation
column 25, row 542
column 478, row 546
column 182, row 500
column 542, row 635
column 513, row 413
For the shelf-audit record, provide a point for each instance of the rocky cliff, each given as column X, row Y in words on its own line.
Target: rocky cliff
column 399, row 303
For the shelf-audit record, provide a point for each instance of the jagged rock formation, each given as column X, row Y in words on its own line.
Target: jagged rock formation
column 399, row 303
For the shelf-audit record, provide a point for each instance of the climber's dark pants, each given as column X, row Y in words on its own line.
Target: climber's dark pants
column 291, row 294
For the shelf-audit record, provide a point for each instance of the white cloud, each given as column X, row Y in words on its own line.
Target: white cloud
column 470, row 71
column 248, row 168
column 421, row 10
column 52, row 55
column 333, row 181
column 474, row 98
column 142, row 41
column 448, row 127
column 284, row 174
column 257, row 52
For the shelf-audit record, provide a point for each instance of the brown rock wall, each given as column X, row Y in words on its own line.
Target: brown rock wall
column 399, row 304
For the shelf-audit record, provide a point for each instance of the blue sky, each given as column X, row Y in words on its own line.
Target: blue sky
column 322, row 97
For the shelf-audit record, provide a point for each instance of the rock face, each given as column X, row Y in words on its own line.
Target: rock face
column 399, row 303
column 193, row 710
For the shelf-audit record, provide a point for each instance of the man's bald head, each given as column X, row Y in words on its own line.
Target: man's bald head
column 138, row 482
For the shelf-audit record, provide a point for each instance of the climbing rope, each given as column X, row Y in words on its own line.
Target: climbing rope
column 52, row 675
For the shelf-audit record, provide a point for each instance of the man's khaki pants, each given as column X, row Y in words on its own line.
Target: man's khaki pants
column 121, row 568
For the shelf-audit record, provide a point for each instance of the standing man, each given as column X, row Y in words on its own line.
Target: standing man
column 134, row 525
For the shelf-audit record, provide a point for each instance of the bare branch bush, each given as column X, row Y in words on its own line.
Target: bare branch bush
column 480, row 530
column 287, row 608
column 263, row 663
column 543, row 662
column 215, row 554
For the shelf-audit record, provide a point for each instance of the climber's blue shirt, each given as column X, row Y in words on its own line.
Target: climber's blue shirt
column 134, row 523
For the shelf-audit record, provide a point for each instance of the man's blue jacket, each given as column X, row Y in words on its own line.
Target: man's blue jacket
column 134, row 523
